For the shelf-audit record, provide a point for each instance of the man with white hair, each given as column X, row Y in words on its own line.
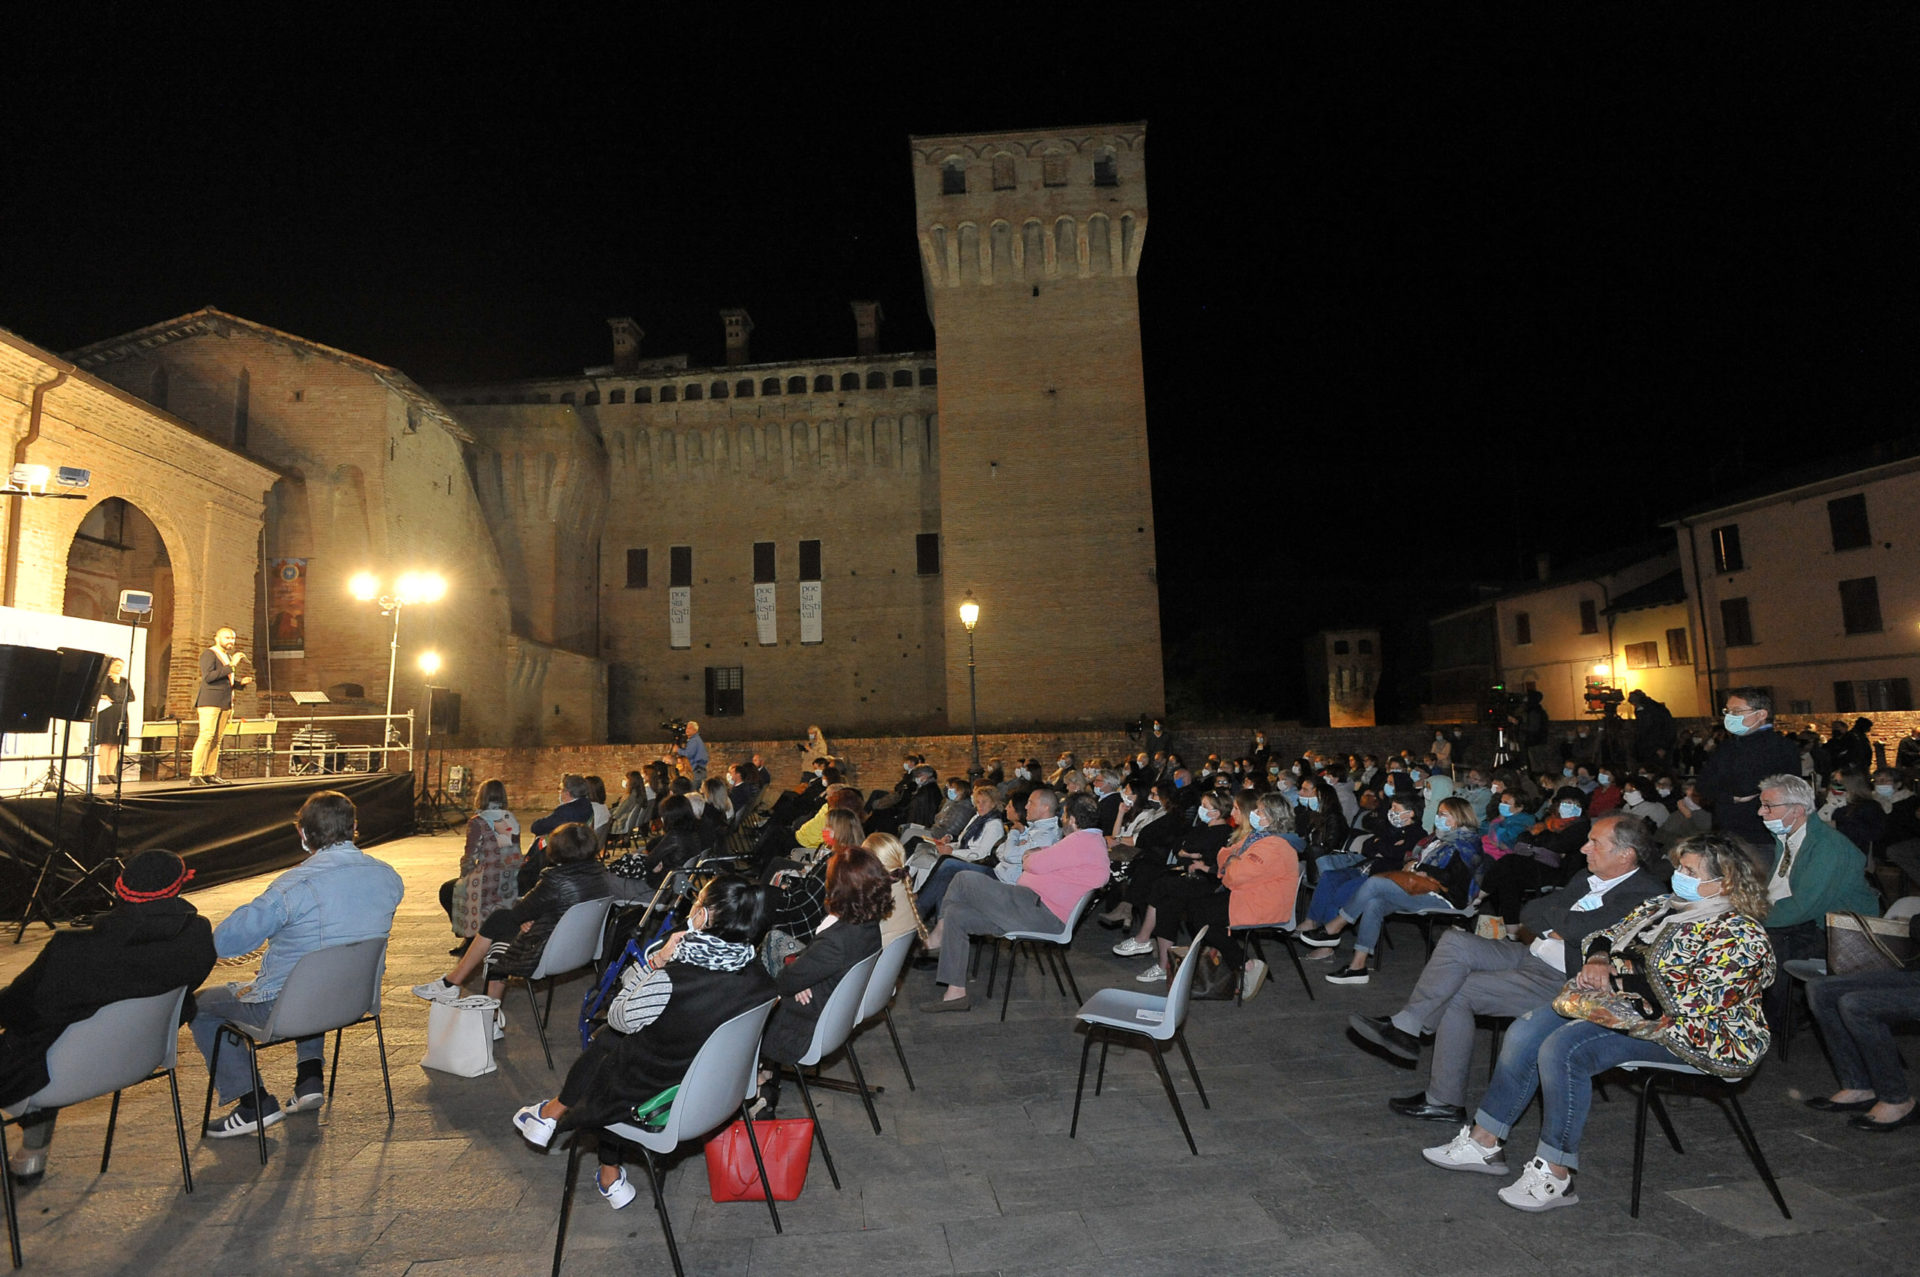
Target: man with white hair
column 1816, row 871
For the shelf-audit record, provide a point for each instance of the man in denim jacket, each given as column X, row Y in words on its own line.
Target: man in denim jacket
column 338, row 895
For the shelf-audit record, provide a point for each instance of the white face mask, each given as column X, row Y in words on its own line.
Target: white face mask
column 1021, row 773
column 1666, row 791
column 1399, row 819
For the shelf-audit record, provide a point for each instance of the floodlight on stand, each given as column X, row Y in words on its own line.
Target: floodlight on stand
column 73, row 477
column 429, row 663
column 28, row 477
column 364, row 586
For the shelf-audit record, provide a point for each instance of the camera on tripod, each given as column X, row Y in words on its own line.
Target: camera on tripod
column 676, row 728
column 1137, row 728
column 1604, row 699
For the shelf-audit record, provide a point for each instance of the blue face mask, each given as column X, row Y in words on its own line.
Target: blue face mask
column 1687, row 887
column 1569, row 811
column 1441, row 824
column 1310, row 801
column 1736, row 723
column 1506, row 809
column 1388, row 791
column 1179, row 782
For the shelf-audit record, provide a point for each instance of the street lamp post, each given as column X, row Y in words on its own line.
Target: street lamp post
column 411, row 587
column 969, row 617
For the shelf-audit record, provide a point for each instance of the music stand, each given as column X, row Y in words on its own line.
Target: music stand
column 307, row 700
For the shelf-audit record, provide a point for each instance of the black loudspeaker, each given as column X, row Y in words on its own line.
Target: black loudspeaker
column 76, row 694
column 27, row 679
column 443, row 711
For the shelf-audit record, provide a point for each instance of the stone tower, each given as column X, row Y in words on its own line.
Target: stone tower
column 1029, row 247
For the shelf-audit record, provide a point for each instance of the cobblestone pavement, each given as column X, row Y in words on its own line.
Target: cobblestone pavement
column 1301, row 1169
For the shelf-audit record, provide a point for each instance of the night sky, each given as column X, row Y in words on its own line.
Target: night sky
column 1427, row 290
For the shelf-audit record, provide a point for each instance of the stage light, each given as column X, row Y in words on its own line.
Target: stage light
column 364, row 586
column 29, row 477
column 429, row 663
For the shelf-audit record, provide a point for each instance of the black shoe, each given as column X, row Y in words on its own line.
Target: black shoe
column 1319, row 939
column 1419, row 1107
column 1821, row 1104
column 1386, row 1035
column 925, row 962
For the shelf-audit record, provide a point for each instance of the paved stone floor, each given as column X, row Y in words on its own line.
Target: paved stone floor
column 1301, row 1170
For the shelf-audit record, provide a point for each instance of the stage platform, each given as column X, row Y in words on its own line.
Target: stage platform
column 224, row 832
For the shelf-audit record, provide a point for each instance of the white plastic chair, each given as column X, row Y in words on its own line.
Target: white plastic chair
column 878, row 1000
column 328, row 991
column 830, row 1033
column 1149, row 1016
column 578, row 940
column 1057, row 944
column 1653, row 1070
column 121, row 1045
column 715, row 1088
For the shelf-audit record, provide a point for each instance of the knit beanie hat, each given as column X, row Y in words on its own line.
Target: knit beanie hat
column 152, row 875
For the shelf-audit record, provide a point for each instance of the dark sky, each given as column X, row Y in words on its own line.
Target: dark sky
column 1427, row 290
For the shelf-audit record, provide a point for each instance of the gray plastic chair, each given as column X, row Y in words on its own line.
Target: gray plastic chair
column 717, row 1086
column 1149, row 1016
column 328, row 991
column 1653, row 1070
column 1050, row 946
column 122, row 1044
column 878, row 999
column 830, row 1033
column 578, row 940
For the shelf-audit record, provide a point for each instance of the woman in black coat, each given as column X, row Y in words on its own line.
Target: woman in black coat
column 519, row 933
column 678, row 847
column 859, row 898
column 150, row 942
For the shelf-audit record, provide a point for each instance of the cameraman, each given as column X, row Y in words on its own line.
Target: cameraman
column 694, row 750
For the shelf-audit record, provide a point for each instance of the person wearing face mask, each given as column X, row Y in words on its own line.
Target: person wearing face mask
column 1432, row 790
column 956, row 809
column 1478, row 793
column 1340, row 874
column 337, row 895
column 1729, row 781
column 1105, row 787
column 1257, row 753
column 1259, row 872
column 1546, row 856
column 1194, row 873
column 1605, row 796
column 1064, row 764
column 1634, row 800
column 1852, row 809
column 1889, row 788
column 1508, row 822
column 1815, row 871
column 1695, row 960
column 1321, row 819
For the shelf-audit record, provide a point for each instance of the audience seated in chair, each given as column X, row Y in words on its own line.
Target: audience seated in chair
column 338, row 895
column 977, row 841
column 150, row 942
column 489, row 866
column 1856, row 1015
column 1546, row 856
column 1193, row 873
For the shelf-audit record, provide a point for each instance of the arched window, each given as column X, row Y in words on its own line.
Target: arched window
column 876, row 380
column 617, row 396
column 1003, row 172
column 953, row 177
column 743, row 389
column 644, row 394
column 823, row 384
column 929, row 377
column 1053, row 170
column 592, row 397
column 667, row 394
column 1105, row 171
column 693, row 391
column 771, row 386
column 718, row 390
column 903, row 377
column 796, row 385
column 566, row 396
column 849, row 381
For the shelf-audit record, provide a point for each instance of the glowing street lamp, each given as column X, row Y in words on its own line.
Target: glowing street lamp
column 410, row 587
column 969, row 617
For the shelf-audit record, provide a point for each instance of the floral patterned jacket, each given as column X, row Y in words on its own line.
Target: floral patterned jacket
column 1708, row 976
column 488, row 868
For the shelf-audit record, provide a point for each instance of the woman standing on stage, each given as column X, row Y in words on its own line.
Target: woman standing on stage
column 110, row 720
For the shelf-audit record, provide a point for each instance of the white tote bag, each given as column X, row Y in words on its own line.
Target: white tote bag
column 460, row 1036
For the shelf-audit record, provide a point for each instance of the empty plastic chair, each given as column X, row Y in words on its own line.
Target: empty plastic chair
column 1148, row 1016
column 830, row 1033
column 878, row 1000
column 578, row 940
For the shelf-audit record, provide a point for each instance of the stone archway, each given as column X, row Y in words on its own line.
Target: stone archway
column 117, row 547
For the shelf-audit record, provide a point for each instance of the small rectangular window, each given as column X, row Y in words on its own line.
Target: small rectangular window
column 809, row 560
column 726, row 691
column 636, row 569
column 763, row 563
column 1643, row 656
column 680, row 565
column 1679, row 651
column 1522, row 628
column 1365, row 647
column 1860, row 605
column 1340, row 648
column 669, row 394
column 1843, row 697
column 926, row 554
column 1726, row 549
column 1736, row 623
column 1847, row 517
column 1053, row 170
column 953, row 178
column 1589, row 617
column 616, row 396
column 1105, row 172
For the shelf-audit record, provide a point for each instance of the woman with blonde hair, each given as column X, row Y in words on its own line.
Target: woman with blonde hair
column 1678, row 980
column 893, row 858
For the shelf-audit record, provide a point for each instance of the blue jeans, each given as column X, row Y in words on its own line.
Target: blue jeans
column 930, row 896
column 1855, row 1013
column 233, row 1079
column 1378, row 897
column 1336, row 886
column 1558, row 1057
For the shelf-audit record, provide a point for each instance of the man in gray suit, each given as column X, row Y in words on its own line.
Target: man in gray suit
column 1469, row 976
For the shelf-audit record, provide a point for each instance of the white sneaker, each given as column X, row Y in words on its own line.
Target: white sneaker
column 1131, row 948
column 1152, row 975
column 437, row 991
column 619, row 1194
column 499, row 1024
column 1463, row 1154
column 1251, row 978
column 1539, row 1189
column 536, row 1130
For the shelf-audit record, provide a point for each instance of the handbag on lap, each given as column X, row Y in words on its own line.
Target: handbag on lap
column 1857, row 944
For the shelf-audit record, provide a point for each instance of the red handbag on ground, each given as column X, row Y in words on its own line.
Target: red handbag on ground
column 786, row 1146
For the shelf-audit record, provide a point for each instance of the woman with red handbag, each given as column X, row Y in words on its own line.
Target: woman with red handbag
column 666, row 1009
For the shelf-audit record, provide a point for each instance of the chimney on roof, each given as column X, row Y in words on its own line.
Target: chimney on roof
column 626, row 343
column 739, row 327
column 1543, row 565
column 866, row 327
